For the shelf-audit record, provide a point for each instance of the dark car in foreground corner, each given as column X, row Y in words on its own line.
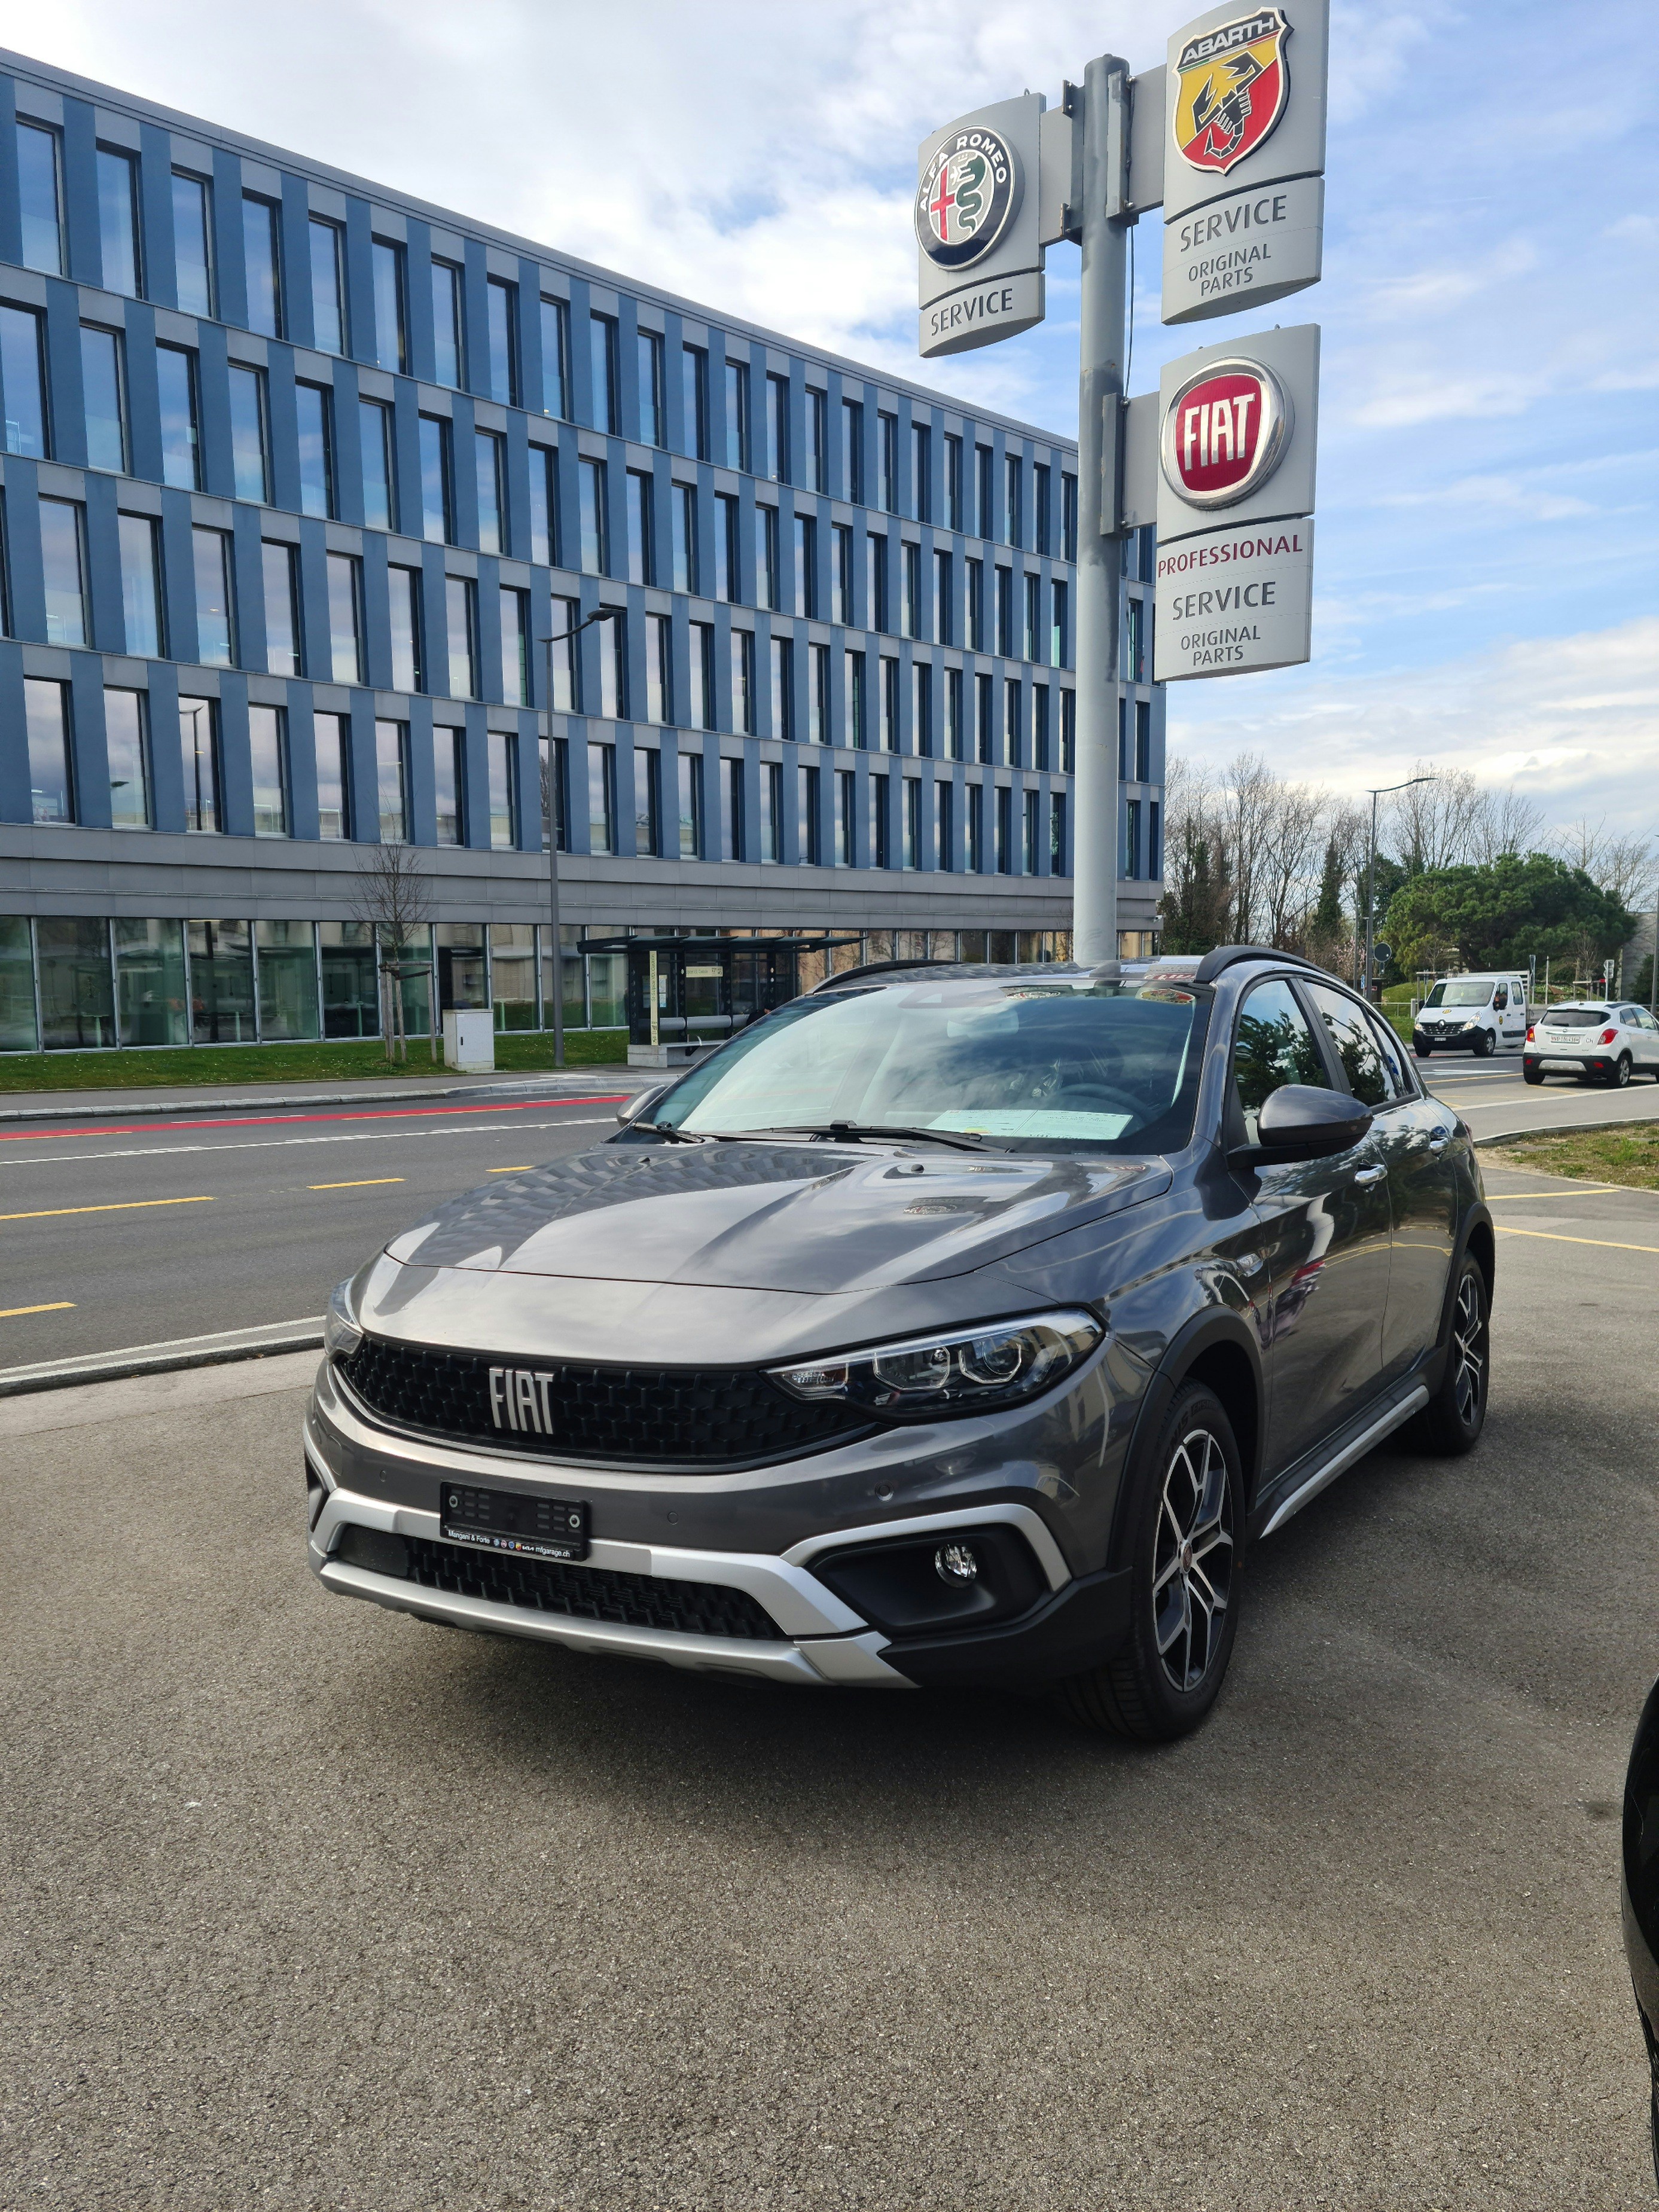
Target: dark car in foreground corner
column 1639, row 1891
column 949, row 1325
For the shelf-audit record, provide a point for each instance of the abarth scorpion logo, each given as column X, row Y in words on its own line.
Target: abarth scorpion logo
column 1230, row 89
column 966, row 198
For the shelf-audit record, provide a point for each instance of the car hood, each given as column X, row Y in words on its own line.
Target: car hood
column 812, row 1219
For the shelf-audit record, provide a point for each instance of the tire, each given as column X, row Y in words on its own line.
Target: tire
column 1450, row 1424
column 1186, row 1505
column 1620, row 1075
column 1532, row 1075
column 1482, row 1046
column 1423, row 1051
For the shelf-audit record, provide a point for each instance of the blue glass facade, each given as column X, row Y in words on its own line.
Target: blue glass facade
column 305, row 484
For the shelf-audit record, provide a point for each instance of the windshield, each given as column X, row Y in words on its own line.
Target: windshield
column 1459, row 994
column 1044, row 1066
column 1574, row 1018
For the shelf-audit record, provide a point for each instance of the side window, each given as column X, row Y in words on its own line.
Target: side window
column 1274, row 1046
column 1357, row 1044
column 1394, row 1059
column 1500, row 999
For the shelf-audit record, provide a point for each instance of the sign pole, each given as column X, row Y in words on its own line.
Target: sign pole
column 1099, row 581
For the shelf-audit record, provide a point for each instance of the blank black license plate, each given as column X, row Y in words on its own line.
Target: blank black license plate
column 505, row 1521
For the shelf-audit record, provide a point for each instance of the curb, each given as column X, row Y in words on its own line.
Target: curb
column 116, row 1367
column 1566, row 1129
column 310, row 1098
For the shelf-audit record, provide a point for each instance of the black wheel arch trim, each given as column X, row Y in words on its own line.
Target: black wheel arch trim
column 1205, row 1332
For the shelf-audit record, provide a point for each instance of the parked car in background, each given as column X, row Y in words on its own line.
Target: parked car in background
column 1597, row 1040
column 1472, row 1013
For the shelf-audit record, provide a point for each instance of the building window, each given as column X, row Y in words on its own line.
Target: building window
column 330, row 741
column 912, row 854
column 954, row 725
column 566, row 648
column 766, row 579
column 379, row 468
column 1005, row 856
column 249, row 434
column 1060, row 642
column 448, row 783
column 1068, row 517
column 22, row 382
column 596, row 530
column 702, row 675
column 878, row 610
column 1068, row 732
column 40, row 188
column 854, row 700
column 1057, row 834
column 809, row 841
column 890, row 705
column 843, row 536
column 912, row 591
column 817, row 439
column 648, row 358
column 690, row 806
column 503, row 788
column 314, row 407
column 613, row 669
column 1040, row 726
column 735, row 827
column 128, row 753
column 683, row 516
column 805, row 601
column 193, row 243
column 921, row 707
column 728, row 560
column 771, row 818
column 63, row 562
column 817, row 695
column 1012, row 730
column 880, row 845
column 345, row 618
column 1040, row 498
column 601, row 799
column 408, row 660
column 556, row 358
column 199, row 746
column 944, row 619
column 1129, row 866
column 984, row 730
column 944, row 811
column 1134, row 642
column 437, row 505
column 139, row 541
column 392, row 781
column 461, row 618
column 694, row 402
column 51, row 785
column 1005, row 613
column 448, row 324
column 641, row 550
column 103, row 386
column 280, row 566
column 976, row 605
column 545, row 506
column 267, row 729
column 327, row 286
column 952, row 481
column 489, row 453
column 742, row 680
column 887, row 428
column 602, row 356
column 261, row 252
column 175, row 376
column 738, row 442
column 985, row 521
column 921, row 468
column 391, row 305
column 777, row 430
column 851, row 481
column 1154, row 840
column 845, row 818
column 501, row 316
column 1033, row 618
column 1143, row 741
column 658, row 668
column 1029, row 846
column 515, row 647
column 647, row 801
column 1015, row 518
column 783, row 687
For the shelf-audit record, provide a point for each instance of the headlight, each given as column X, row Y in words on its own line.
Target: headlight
column 965, row 1371
column 341, row 1335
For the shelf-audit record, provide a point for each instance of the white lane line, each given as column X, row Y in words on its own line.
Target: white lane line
column 272, row 1144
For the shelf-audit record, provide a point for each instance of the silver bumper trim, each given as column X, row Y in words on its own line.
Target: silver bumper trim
column 1029, row 1523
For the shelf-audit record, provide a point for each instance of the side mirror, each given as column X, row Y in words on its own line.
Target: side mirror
column 1300, row 1123
column 635, row 1108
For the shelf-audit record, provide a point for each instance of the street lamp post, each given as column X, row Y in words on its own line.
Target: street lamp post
column 559, row 637
column 1381, row 791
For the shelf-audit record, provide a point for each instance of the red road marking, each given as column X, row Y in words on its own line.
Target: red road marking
column 261, row 1120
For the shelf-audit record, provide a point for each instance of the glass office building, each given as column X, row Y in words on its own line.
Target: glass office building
column 309, row 491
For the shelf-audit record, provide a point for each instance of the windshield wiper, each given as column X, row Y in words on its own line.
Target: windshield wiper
column 855, row 1132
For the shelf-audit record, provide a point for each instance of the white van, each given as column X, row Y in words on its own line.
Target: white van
column 1472, row 1013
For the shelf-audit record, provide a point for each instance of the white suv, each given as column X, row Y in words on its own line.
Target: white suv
column 1608, row 1040
column 1471, row 1013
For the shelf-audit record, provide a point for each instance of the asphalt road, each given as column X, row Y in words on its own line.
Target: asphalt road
column 1492, row 1098
column 309, row 1905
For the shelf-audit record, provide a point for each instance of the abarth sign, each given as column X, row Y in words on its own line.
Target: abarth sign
column 1231, row 84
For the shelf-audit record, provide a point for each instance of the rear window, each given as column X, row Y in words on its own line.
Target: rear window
column 1576, row 1017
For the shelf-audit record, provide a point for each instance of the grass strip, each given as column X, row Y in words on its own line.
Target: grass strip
column 1629, row 1157
column 145, row 1067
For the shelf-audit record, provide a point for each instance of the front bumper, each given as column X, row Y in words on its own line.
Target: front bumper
column 1464, row 1040
column 360, row 1476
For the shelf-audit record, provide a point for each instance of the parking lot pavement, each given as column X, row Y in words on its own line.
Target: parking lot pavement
column 309, row 1905
column 1496, row 1101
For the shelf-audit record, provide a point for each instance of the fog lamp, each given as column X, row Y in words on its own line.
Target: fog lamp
column 956, row 1564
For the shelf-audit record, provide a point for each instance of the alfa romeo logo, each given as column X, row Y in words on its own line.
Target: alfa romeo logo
column 967, row 196
column 1230, row 85
column 1225, row 432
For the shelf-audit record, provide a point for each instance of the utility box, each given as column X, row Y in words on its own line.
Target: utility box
column 470, row 1039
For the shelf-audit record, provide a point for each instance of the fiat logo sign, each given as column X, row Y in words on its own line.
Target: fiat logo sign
column 1225, row 432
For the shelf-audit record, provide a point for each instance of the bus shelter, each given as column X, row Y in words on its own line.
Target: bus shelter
column 685, row 993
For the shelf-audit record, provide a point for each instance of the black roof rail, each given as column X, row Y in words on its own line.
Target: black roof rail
column 1228, row 956
column 876, row 967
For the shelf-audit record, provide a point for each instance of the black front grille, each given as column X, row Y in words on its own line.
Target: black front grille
column 668, row 1416
column 590, row 1593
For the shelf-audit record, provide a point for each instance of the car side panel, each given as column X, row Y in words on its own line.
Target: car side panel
column 1420, row 1143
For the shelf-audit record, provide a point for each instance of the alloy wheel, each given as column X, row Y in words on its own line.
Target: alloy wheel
column 1192, row 1558
column 1469, row 1349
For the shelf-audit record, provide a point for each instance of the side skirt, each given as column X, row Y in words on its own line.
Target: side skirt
column 1311, row 1473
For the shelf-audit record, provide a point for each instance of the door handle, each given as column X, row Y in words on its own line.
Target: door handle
column 1370, row 1175
column 1439, row 1144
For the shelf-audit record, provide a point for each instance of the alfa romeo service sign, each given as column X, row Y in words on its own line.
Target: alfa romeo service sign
column 980, row 261
column 1234, row 600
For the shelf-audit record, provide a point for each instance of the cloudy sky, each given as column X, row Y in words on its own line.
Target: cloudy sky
column 1489, row 412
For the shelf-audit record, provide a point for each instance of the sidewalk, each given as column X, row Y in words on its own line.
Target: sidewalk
column 359, row 1090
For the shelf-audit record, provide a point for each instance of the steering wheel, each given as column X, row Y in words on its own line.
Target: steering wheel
column 1088, row 1098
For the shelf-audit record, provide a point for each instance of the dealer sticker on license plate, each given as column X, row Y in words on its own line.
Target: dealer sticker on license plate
column 505, row 1521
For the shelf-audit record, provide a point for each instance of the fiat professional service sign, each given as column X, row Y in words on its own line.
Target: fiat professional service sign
column 981, row 263
column 1234, row 600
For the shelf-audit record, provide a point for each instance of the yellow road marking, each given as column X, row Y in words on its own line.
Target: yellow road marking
column 362, row 1183
column 57, row 1305
column 525, row 1169
column 123, row 1205
column 1554, row 1236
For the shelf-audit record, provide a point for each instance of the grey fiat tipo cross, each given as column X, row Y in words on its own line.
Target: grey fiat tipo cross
column 949, row 1325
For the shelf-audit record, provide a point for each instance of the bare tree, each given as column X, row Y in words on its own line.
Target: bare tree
column 1624, row 867
column 1433, row 824
column 393, row 893
column 1506, row 822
